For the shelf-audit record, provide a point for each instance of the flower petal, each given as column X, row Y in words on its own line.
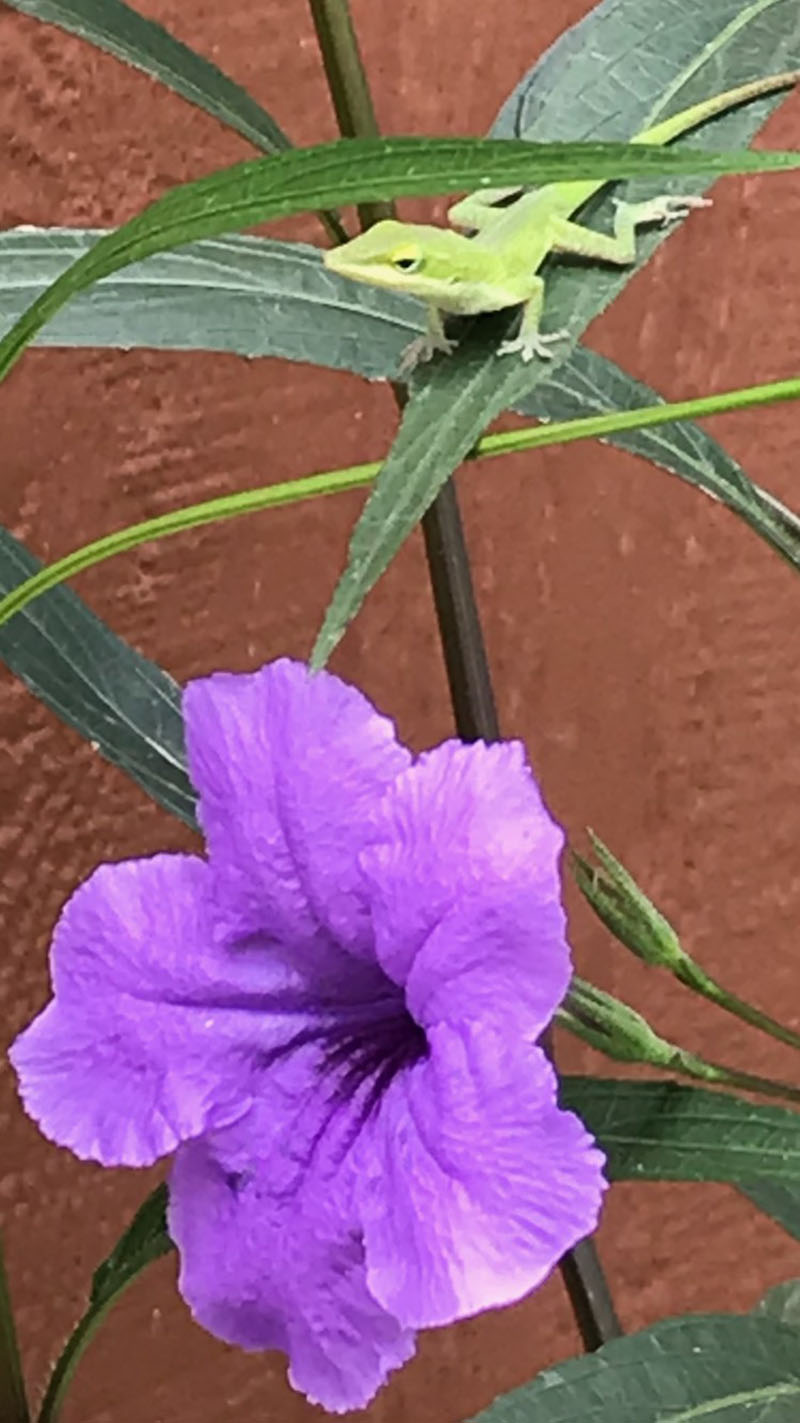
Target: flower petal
column 470, row 1182
column 137, row 1051
column 465, row 889
column 271, row 1254
column 289, row 765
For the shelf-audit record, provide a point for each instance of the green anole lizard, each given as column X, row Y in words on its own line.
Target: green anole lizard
column 497, row 266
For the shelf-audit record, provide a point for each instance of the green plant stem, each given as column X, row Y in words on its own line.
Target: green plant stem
column 617, row 1030
column 229, row 506
column 694, row 977
column 13, row 1403
column 68, row 1359
column 636, row 922
column 686, row 1064
column 690, row 1065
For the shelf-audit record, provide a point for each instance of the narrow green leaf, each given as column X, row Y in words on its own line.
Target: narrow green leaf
column 272, row 496
column 126, row 706
column 347, row 171
column 739, row 1369
column 776, row 1199
column 658, row 1131
column 145, row 1240
column 190, row 516
column 666, row 67
column 13, row 1403
column 782, row 1303
column 123, row 32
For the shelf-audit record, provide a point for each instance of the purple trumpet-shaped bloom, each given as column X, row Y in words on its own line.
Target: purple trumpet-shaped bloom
column 332, row 1021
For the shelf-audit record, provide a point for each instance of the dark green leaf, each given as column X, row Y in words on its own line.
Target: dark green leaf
column 658, row 1131
column 242, row 294
column 782, row 1303
column 123, row 32
column 592, row 85
column 351, row 170
column 13, row 1404
column 778, row 1200
column 145, row 1240
column 626, row 61
column 701, row 1367
column 126, row 706
column 256, row 297
column 588, row 84
column 590, row 384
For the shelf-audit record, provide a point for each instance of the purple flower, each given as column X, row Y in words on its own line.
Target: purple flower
column 332, row 1021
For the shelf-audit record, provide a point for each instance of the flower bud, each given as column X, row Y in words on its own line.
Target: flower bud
column 613, row 1027
column 632, row 918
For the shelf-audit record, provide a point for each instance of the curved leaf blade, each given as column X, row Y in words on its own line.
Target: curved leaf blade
column 352, row 171
column 588, row 383
column 257, row 297
column 590, row 85
column 742, row 1369
column 586, row 85
column 119, row 701
column 453, row 403
column 659, row 1131
column 246, row 295
column 120, row 30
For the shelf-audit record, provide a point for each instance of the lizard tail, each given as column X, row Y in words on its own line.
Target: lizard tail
column 681, row 123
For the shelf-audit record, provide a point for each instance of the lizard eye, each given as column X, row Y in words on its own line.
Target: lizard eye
column 408, row 260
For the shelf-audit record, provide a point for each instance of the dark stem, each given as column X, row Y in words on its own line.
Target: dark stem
column 476, row 719
column 460, row 631
column 457, row 615
column 347, row 82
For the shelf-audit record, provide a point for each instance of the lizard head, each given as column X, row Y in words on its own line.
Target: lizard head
column 403, row 256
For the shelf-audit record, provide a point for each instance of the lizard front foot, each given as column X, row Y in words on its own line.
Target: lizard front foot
column 534, row 343
column 424, row 348
column 669, row 208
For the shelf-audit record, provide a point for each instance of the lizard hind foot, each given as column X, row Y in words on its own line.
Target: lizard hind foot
column 424, row 348
column 535, row 343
